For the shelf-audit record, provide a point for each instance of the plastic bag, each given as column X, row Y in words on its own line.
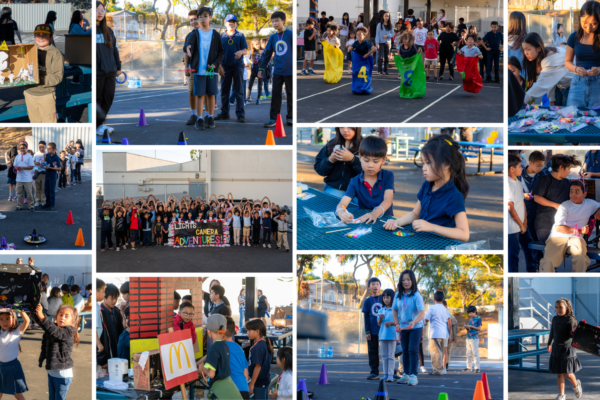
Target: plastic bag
column 324, row 220
column 588, row 113
column 480, row 245
column 358, row 233
column 568, row 112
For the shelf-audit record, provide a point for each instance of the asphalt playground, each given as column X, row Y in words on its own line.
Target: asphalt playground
column 347, row 380
column 444, row 102
column 50, row 223
column 167, row 110
column 484, row 203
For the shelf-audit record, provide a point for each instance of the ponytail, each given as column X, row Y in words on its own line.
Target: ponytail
column 259, row 325
column 442, row 150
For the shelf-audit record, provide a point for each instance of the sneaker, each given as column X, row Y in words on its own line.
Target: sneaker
column 199, row 125
column 379, row 73
column 372, row 377
column 18, row 209
column 269, row 246
column 258, row 103
column 435, row 80
column 118, row 249
column 37, row 203
column 221, row 117
column 277, row 248
column 10, row 198
column 270, row 124
column 561, row 397
column 210, row 122
column 25, row 201
column 451, row 78
column 241, row 119
column 444, row 372
column 124, row 247
column 243, row 244
column 427, row 78
column 75, row 82
column 2, row 216
column 287, row 250
column 423, row 370
column 249, row 99
column 441, row 78
column 133, row 248
column 386, row 73
column 404, row 379
column 232, row 103
column 476, row 370
column 264, row 245
column 192, row 120
column 466, row 369
column 396, row 376
column 289, row 122
column 412, row 380
column 578, row 390
column 246, row 102
column 488, row 80
column 310, row 71
column 399, row 77
column 32, row 209
column 303, row 72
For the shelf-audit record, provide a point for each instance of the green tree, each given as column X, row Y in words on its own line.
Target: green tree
column 329, row 276
column 195, row 154
column 306, row 263
column 129, row 6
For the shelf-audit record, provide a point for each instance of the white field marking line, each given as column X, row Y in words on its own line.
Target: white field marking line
column 220, row 122
column 145, row 97
column 437, row 387
column 316, row 94
column 359, row 104
column 447, row 94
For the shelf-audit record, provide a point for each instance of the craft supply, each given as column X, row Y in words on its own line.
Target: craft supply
column 358, row 233
column 403, row 233
column 339, row 230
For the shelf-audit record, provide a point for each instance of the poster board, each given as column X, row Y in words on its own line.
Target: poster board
column 18, row 57
column 199, row 233
column 587, row 338
column 177, row 358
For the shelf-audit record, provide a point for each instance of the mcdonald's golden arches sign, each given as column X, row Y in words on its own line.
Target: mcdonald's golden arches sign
column 177, row 358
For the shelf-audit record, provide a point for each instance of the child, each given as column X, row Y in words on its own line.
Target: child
column 374, row 188
column 112, row 322
column 409, row 310
column 237, row 226
column 387, row 335
column 73, row 160
column 106, row 227
column 384, row 35
column 279, row 43
column 66, row 298
column 362, row 47
column 473, row 328
column 420, row 34
column 124, row 345
column 407, row 49
column 78, row 301
column 133, row 230
column 268, row 70
column 452, row 336
column 120, row 230
column 484, row 53
column 183, row 320
column 165, row 231
column 13, row 379
column 261, row 354
column 40, row 99
column 52, row 167
column 147, row 229
column 266, row 222
column 57, row 346
column 570, row 226
column 218, row 306
column 371, row 307
column 563, row 355
column 80, row 153
column 216, row 365
column 431, row 54
column 310, row 47
column 349, row 43
column 517, row 225
column 255, row 59
column 285, row 383
column 470, row 50
column 247, row 225
column 440, row 206
column 330, row 35
column 237, row 360
column 38, row 160
column 255, row 229
column 62, row 179
column 55, row 301
column 438, row 332
column 515, row 67
column 158, row 231
column 494, row 40
column 282, row 228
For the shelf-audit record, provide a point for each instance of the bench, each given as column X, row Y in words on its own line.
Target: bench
column 593, row 253
column 63, row 103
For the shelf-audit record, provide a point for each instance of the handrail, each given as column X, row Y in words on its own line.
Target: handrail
column 546, row 307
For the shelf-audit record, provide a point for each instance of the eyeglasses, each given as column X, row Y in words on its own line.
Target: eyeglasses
column 187, row 314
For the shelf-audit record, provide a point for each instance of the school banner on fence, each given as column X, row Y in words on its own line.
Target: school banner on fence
column 468, row 68
column 362, row 70
column 334, row 63
column 412, row 75
column 199, row 233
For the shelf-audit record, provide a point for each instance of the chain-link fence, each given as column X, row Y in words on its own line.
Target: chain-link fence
column 480, row 17
column 542, row 23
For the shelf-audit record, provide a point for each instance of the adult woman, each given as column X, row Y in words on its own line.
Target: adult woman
column 108, row 66
column 408, row 311
column 517, row 30
column 76, row 25
column 385, row 32
column 441, row 17
column 50, row 19
column 584, row 45
column 263, row 306
column 340, row 165
column 344, row 28
column 544, row 68
column 8, row 27
column 242, row 303
column 9, row 156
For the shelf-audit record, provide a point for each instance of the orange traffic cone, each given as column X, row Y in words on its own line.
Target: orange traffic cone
column 479, row 392
column 70, row 219
column 81, row 243
column 270, row 139
column 279, row 130
column 486, row 386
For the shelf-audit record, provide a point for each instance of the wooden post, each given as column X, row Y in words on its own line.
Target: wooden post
column 182, row 386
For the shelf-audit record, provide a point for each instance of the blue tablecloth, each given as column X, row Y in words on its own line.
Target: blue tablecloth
column 323, row 202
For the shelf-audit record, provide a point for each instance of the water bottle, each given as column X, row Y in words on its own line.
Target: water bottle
column 330, row 352
column 321, row 352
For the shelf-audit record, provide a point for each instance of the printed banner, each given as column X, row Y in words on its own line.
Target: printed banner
column 177, row 358
column 412, row 75
column 362, row 69
column 334, row 63
column 468, row 68
column 199, row 233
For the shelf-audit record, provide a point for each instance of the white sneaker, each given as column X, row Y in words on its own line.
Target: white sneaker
column 37, row 203
column 100, row 130
column 412, row 380
column 2, row 216
column 423, row 370
column 578, row 390
column 110, row 128
column 444, row 372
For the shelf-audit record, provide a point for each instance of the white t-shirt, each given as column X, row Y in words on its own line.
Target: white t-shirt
column 39, row 157
column 246, row 61
column 571, row 214
column 343, row 28
column 73, row 160
column 9, row 344
column 24, row 160
column 350, row 42
column 515, row 194
column 420, row 36
column 437, row 315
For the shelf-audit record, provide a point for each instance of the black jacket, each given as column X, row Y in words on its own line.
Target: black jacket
column 57, row 345
column 215, row 54
column 107, row 58
column 338, row 174
column 102, row 357
column 106, row 226
column 120, row 224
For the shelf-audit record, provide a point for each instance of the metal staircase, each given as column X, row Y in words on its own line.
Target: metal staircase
column 536, row 312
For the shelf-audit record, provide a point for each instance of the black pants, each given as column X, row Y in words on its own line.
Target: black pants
column 482, row 66
column 373, row 349
column 104, row 236
column 278, row 81
column 266, row 235
column 78, row 172
column 542, row 234
column 105, row 94
column 446, row 57
column 121, row 238
column 493, row 57
column 256, row 234
column 62, row 181
column 254, row 75
column 233, row 75
column 384, row 60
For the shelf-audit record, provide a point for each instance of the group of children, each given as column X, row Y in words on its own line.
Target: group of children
column 400, row 316
column 229, row 374
column 147, row 222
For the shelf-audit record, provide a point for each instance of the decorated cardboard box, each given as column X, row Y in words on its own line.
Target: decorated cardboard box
column 18, row 65
column 19, row 286
column 78, row 49
column 152, row 371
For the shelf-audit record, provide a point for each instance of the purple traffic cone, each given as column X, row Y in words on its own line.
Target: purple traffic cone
column 323, row 378
column 125, row 142
column 3, row 245
column 302, row 386
column 382, row 393
column 142, row 121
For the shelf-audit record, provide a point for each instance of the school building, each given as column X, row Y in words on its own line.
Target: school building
column 245, row 174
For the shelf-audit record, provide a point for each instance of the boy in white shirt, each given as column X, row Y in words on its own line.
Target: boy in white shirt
column 438, row 332
column 73, row 159
column 38, row 159
column 24, row 166
column 420, row 35
column 517, row 224
column 570, row 225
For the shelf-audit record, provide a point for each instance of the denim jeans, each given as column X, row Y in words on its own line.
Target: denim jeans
column 50, row 189
column 242, row 315
column 233, row 95
column 72, row 174
column 513, row 252
column 561, row 96
column 147, row 237
column 58, row 388
column 584, row 91
column 524, row 240
column 410, row 340
column 261, row 393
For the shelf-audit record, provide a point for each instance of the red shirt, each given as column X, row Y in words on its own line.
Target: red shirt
column 432, row 47
column 177, row 321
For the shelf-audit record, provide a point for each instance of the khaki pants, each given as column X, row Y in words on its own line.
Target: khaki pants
column 27, row 186
column 282, row 237
column 40, row 196
column 449, row 351
column 436, row 351
column 236, row 234
column 41, row 108
column 473, row 353
column 555, row 254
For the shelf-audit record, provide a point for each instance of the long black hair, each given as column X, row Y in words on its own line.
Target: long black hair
column 442, row 150
column 76, row 18
column 414, row 289
column 285, row 353
column 388, row 26
column 50, row 17
column 590, row 9
column 259, row 325
column 103, row 27
column 339, row 139
column 5, row 15
column 531, row 67
column 345, row 21
column 517, row 28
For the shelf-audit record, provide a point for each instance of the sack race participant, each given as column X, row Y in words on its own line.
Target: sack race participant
column 334, row 63
column 412, row 74
column 468, row 68
column 362, row 69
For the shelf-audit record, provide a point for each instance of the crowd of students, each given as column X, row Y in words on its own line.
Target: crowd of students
column 146, row 222
column 438, row 42
column 229, row 374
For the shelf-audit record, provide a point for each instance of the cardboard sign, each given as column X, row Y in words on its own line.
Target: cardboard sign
column 177, row 358
column 19, row 59
column 143, row 377
column 587, row 338
column 199, row 233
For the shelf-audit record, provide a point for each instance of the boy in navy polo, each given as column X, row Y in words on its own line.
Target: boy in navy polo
column 279, row 43
column 374, row 188
column 235, row 46
column 592, row 164
column 53, row 167
column 493, row 41
column 370, row 309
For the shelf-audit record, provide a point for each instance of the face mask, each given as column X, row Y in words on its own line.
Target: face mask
column 440, row 15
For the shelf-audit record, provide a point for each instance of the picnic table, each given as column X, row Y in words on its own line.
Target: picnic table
column 516, row 336
column 404, row 146
column 312, row 238
column 322, row 202
column 481, row 150
column 277, row 337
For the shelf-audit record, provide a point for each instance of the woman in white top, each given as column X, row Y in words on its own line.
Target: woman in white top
column 13, row 379
column 54, row 302
column 344, row 28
